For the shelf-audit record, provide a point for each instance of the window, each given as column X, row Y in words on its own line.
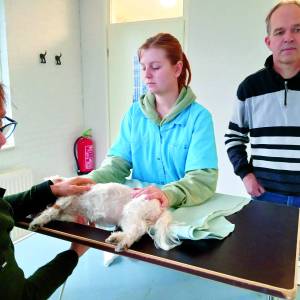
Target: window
column 140, row 10
column 4, row 78
column 140, row 87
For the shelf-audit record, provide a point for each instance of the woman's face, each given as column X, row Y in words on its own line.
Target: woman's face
column 158, row 73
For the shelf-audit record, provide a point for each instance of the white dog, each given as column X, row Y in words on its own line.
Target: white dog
column 112, row 203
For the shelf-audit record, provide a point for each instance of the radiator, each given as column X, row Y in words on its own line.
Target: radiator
column 15, row 181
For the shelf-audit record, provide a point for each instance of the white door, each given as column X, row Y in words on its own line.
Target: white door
column 124, row 40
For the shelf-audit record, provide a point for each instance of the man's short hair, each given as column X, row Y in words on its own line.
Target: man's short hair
column 281, row 3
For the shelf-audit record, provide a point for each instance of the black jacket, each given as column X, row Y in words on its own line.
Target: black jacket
column 40, row 285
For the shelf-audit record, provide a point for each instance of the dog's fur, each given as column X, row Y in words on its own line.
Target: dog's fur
column 112, row 203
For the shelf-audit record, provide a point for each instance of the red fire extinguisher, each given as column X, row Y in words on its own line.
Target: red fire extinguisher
column 84, row 153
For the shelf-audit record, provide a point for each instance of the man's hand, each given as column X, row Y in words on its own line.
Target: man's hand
column 253, row 187
column 150, row 193
column 72, row 186
column 79, row 248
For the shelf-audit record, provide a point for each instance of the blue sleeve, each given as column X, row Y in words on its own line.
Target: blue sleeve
column 202, row 152
column 122, row 146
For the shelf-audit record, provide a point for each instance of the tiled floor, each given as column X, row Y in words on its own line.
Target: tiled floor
column 125, row 279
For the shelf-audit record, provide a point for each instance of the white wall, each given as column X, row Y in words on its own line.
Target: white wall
column 47, row 99
column 225, row 43
column 93, row 19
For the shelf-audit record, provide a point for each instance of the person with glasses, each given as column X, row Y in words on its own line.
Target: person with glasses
column 8, row 126
column 40, row 285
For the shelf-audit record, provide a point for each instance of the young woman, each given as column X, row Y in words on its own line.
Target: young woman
column 166, row 138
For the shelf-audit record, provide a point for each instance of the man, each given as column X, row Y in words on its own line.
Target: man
column 47, row 279
column 268, row 108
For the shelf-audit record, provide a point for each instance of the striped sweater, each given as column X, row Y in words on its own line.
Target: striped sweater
column 267, row 113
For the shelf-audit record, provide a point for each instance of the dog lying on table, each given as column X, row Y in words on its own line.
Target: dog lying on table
column 112, row 203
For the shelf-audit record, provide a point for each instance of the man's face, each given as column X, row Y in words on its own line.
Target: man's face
column 284, row 37
column 2, row 115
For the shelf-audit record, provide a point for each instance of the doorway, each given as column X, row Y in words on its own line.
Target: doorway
column 124, row 40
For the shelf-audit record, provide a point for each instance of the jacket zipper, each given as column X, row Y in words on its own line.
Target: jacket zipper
column 285, row 93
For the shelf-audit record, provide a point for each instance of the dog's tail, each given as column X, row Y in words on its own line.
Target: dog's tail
column 162, row 236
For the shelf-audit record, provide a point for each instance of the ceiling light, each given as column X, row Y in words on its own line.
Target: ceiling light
column 168, row 3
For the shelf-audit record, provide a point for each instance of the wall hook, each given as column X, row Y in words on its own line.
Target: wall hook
column 43, row 57
column 57, row 59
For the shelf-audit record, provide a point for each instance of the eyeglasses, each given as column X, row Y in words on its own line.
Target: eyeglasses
column 8, row 126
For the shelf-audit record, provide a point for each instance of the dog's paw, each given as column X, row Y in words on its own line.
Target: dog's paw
column 33, row 226
column 120, row 247
column 115, row 237
column 118, row 239
column 38, row 222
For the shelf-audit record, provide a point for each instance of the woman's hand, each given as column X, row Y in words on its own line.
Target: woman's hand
column 150, row 193
column 71, row 186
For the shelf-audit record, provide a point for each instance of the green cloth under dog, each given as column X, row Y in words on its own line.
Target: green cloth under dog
column 207, row 220
column 204, row 221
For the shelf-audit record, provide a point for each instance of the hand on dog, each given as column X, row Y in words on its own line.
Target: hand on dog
column 150, row 193
column 72, row 186
column 79, row 248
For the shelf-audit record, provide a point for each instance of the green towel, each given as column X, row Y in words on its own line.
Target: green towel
column 203, row 221
column 207, row 220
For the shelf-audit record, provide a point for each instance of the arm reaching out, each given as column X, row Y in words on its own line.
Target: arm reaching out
column 72, row 186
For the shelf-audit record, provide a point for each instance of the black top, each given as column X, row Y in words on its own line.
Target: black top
column 44, row 281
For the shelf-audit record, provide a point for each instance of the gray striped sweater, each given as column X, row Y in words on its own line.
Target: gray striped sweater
column 268, row 111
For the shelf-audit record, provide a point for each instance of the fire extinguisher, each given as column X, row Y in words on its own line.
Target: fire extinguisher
column 84, row 153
